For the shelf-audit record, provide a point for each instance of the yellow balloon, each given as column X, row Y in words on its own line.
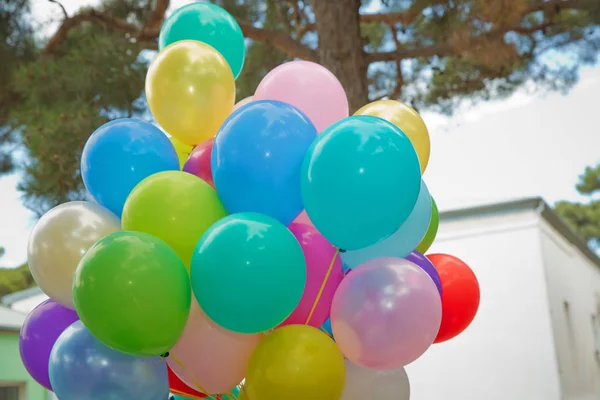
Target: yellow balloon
column 408, row 120
column 190, row 90
column 295, row 362
column 183, row 150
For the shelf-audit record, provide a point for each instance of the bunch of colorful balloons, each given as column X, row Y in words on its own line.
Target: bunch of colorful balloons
column 283, row 262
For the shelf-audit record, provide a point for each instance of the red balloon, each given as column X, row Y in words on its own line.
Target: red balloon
column 460, row 295
column 179, row 388
column 198, row 163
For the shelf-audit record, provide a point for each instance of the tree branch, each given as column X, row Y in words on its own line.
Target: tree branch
column 151, row 30
column 279, row 40
column 64, row 10
column 557, row 5
column 400, row 79
column 405, row 17
column 442, row 49
column 446, row 49
column 524, row 30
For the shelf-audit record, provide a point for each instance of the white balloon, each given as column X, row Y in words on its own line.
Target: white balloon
column 242, row 103
column 60, row 239
column 364, row 383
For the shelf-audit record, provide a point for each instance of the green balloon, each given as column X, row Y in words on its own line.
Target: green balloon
column 132, row 292
column 431, row 231
column 208, row 23
column 248, row 272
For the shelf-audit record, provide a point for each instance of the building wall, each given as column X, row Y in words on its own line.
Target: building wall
column 574, row 294
column 29, row 303
column 508, row 351
column 12, row 370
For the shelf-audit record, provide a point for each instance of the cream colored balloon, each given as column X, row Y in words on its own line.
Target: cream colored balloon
column 242, row 102
column 364, row 383
column 59, row 240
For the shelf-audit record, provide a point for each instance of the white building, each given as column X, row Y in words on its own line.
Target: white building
column 25, row 300
column 537, row 333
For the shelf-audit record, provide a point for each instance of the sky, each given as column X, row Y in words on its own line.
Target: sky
column 526, row 145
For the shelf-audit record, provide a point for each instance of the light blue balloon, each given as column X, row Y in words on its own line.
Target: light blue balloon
column 119, row 155
column 327, row 326
column 257, row 158
column 403, row 241
column 82, row 368
column 360, row 181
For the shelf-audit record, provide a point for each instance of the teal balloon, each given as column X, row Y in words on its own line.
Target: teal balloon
column 360, row 181
column 248, row 272
column 208, row 23
column 403, row 241
column 236, row 393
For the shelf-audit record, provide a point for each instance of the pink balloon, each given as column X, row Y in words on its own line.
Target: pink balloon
column 324, row 272
column 386, row 313
column 210, row 357
column 308, row 86
column 242, row 102
column 198, row 162
column 303, row 219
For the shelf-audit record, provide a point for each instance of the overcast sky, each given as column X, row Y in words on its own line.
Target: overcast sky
column 519, row 147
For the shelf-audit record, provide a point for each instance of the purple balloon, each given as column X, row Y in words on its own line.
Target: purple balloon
column 39, row 332
column 423, row 262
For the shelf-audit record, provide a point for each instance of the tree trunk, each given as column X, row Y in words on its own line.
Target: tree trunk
column 340, row 46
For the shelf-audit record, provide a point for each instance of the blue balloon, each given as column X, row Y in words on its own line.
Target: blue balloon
column 345, row 266
column 119, row 155
column 403, row 241
column 257, row 158
column 360, row 181
column 82, row 368
column 327, row 326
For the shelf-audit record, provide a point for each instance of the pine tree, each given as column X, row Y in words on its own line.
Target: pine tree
column 432, row 54
column 584, row 218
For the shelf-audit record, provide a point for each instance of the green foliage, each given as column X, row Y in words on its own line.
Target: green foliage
column 584, row 218
column 16, row 47
column 15, row 279
column 433, row 54
column 99, row 76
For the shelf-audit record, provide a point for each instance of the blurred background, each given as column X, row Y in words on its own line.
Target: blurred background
column 508, row 89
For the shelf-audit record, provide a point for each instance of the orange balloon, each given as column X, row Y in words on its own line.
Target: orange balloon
column 209, row 356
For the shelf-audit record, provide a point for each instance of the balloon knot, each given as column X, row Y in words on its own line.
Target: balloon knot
column 165, row 355
column 342, row 250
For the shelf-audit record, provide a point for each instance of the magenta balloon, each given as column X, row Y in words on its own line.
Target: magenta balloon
column 386, row 313
column 324, row 272
column 427, row 266
column 39, row 332
column 308, row 86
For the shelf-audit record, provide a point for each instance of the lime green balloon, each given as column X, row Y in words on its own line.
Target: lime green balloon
column 248, row 272
column 132, row 292
column 208, row 23
column 431, row 231
column 174, row 206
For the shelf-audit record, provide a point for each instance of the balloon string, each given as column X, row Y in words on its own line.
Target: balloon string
column 231, row 395
column 245, row 392
column 325, row 330
column 200, row 388
column 314, row 306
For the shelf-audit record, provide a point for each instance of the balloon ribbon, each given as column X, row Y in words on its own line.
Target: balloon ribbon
column 200, row 388
column 325, row 280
